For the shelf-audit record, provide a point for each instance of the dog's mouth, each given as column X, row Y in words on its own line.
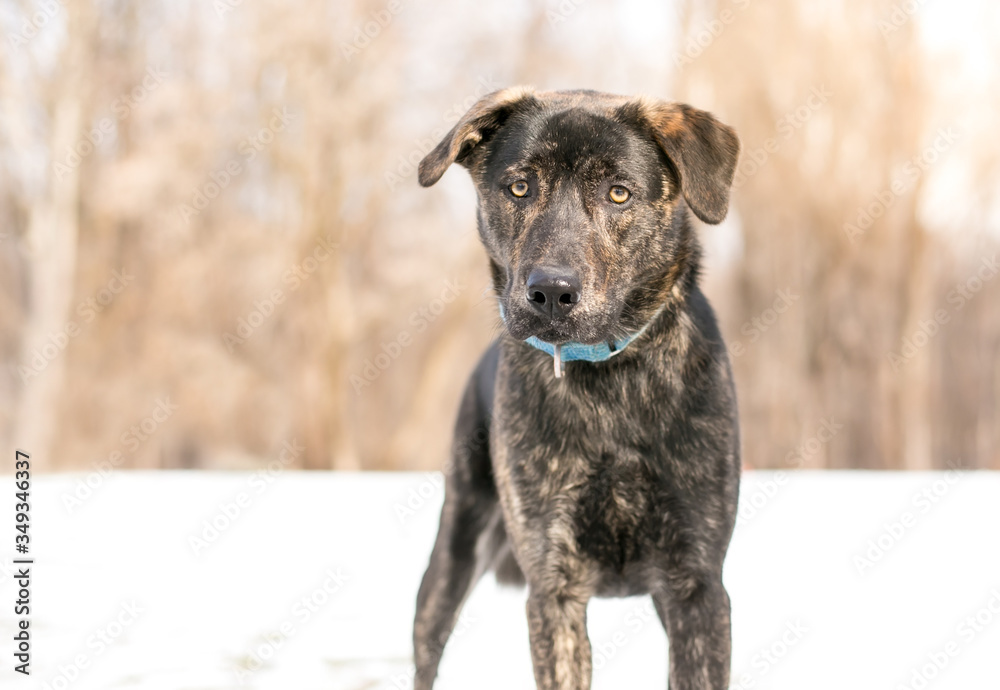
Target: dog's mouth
column 561, row 331
column 556, row 335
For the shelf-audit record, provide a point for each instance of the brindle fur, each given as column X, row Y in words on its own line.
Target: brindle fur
column 621, row 477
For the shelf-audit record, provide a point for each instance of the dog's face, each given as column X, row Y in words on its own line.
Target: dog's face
column 580, row 203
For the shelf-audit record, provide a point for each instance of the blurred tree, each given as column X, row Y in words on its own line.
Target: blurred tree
column 221, row 198
column 839, row 129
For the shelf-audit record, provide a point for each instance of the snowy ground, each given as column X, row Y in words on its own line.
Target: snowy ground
column 310, row 583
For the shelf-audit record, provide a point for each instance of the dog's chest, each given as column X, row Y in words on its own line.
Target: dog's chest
column 589, row 465
column 617, row 512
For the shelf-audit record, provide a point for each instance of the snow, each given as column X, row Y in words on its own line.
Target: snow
column 317, row 573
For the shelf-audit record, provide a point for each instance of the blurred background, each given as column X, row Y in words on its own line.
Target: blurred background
column 213, row 246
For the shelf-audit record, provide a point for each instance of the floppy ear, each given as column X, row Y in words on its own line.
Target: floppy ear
column 485, row 116
column 704, row 151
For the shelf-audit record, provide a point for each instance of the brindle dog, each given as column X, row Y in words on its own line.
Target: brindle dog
column 616, row 476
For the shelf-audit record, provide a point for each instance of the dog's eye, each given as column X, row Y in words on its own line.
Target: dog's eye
column 519, row 189
column 619, row 194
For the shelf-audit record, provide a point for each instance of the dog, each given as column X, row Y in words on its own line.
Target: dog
column 596, row 450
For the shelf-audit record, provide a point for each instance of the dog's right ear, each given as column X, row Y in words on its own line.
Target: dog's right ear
column 703, row 150
column 484, row 117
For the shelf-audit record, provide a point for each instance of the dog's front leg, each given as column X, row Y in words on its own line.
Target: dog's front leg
column 560, row 648
column 697, row 624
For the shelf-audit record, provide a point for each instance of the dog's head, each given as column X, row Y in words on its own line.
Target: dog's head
column 581, row 199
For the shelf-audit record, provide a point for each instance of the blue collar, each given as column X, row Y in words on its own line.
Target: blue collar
column 581, row 352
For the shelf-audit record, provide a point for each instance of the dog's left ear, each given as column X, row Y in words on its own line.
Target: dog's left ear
column 704, row 151
column 483, row 118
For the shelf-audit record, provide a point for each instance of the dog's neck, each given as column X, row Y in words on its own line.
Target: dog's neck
column 582, row 352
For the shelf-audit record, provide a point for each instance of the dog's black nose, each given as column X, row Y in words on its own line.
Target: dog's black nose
column 553, row 291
